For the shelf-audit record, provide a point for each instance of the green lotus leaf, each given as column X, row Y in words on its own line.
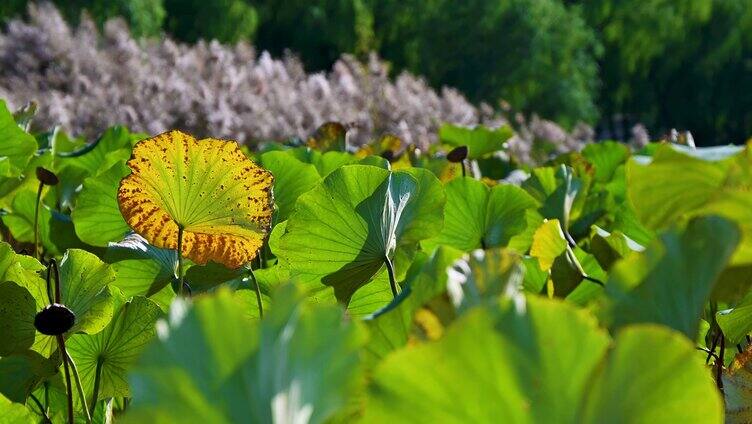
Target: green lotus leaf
column 14, row 413
column 20, row 221
column 535, row 278
column 96, row 215
column 276, row 235
column 292, row 178
column 343, row 229
column 109, row 151
column 391, row 326
column 568, row 267
column 678, row 387
column 514, row 365
column 736, row 322
column 16, row 307
column 84, row 281
column 610, row 247
column 735, row 205
column 548, row 243
column 206, row 277
column 20, row 373
column 329, row 162
column 605, row 158
column 111, row 147
column 17, row 147
column 560, row 193
column 677, row 185
column 544, row 362
column 140, row 268
column 672, row 185
column 671, row 281
column 23, row 295
column 584, row 290
column 484, row 276
column 325, row 162
column 375, row 161
column 296, row 365
column 480, row 141
column 114, row 350
column 477, row 216
column 56, row 232
column 246, row 297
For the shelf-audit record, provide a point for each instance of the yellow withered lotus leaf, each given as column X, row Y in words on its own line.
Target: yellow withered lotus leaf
column 221, row 198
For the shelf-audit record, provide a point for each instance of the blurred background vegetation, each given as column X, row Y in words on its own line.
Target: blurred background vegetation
column 683, row 64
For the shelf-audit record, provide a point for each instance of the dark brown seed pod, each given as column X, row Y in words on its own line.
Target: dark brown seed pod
column 458, row 154
column 54, row 319
column 46, row 176
column 388, row 155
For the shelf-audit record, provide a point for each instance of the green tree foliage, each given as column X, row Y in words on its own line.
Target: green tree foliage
column 677, row 64
column 145, row 17
column 10, row 8
column 318, row 30
column 537, row 55
column 228, row 21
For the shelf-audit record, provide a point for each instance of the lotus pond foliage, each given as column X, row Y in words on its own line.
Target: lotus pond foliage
column 160, row 278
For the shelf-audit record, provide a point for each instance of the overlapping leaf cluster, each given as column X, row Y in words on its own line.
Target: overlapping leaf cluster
column 393, row 287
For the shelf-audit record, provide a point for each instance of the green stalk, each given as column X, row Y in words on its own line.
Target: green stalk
column 79, row 387
column 69, row 388
column 258, row 293
column 36, row 220
column 180, row 260
column 46, row 397
column 390, row 271
column 42, row 410
column 97, row 380
column 67, row 360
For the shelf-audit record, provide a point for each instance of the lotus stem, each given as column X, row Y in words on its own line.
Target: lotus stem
column 79, row 386
column 42, row 409
column 390, row 271
column 67, row 360
column 97, row 381
column 180, row 260
column 258, row 294
column 36, row 220
column 50, row 267
column 711, row 351
column 69, row 388
column 46, row 397
column 719, row 364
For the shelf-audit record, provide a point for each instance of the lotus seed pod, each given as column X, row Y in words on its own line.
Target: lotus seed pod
column 388, row 155
column 46, row 176
column 458, row 154
column 54, row 319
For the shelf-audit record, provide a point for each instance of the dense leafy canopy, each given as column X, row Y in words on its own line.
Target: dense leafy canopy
column 386, row 288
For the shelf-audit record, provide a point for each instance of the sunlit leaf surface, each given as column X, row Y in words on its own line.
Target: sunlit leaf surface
column 209, row 187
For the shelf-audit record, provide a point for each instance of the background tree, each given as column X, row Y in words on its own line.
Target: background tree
column 228, row 21
column 538, row 55
column 318, row 30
